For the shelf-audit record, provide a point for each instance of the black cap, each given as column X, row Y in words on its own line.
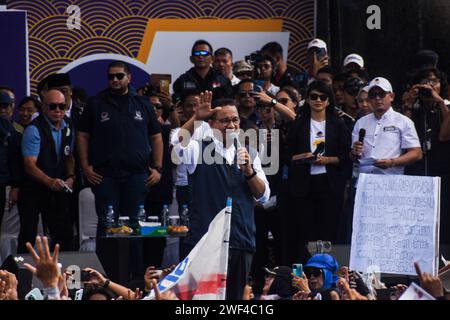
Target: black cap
column 58, row 80
column 353, row 85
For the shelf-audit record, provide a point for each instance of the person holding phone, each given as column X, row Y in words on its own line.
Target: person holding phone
column 318, row 144
column 317, row 56
column 264, row 71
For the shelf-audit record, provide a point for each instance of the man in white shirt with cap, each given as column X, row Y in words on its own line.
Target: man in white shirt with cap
column 317, row 57
column 390, row 141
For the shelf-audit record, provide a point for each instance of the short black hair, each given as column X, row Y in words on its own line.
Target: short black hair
column 187, row 93
column 326, row 69
column 290, row 93
column 237, row 87
column 119, row 64
column 36, row 102
column 266, row 57
column 222, row 102
column 223, row 51
column 92, row 290
column 273, row 48
column 200, row 42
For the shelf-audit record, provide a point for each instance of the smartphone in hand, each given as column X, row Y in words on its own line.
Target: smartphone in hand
column 297, row 269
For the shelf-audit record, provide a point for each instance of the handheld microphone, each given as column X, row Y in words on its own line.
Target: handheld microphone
column 235, row 137
column 362, row 134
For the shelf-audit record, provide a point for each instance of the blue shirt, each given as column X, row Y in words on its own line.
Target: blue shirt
column 31, row 140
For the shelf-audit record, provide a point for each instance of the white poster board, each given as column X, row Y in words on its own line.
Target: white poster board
column 395, row 223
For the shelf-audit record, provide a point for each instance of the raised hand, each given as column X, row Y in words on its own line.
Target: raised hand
column 46, row 265
column 204, row 111
column 429, row 283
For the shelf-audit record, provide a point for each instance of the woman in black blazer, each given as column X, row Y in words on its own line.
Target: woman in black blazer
column 319, row 144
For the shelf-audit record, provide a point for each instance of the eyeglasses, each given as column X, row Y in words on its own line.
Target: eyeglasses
column 54, row 106
column 316, row 272
column 119, row 76
column 201, row 53
column 375, row 94
column 315, row 96
column 226, row 121
column 284, row 101
column 264, row 66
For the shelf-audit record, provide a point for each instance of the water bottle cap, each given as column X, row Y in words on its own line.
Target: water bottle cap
column 184, row 206
column 165, row 206
column 110, row 207
column 141, row 206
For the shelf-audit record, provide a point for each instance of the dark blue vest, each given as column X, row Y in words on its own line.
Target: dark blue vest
column 47, row 159
column 209, row 187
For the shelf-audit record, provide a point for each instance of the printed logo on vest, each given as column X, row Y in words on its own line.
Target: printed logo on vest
column 189, row 85
column 104, row 116
column 138, row 116
column 67, row 150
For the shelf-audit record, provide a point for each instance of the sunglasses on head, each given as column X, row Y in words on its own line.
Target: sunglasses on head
column 374, row 94
column 315, row 96
column 201, row 53
column 316, row 272
column 119, row 76
column 54, row 106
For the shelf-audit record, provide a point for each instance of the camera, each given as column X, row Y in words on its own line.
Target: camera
column 85, row 276
column 319, row 246
column 425, row 93
column 253, row 58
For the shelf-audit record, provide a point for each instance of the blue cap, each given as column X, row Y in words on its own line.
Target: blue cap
column 328, row 265
column 4, row 98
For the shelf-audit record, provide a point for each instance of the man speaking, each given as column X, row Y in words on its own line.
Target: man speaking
column 234, row 172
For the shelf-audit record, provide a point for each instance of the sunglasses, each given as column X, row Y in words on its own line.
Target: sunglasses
column 201, row 53
column 315, row 96
column 119, row 76
column 54, row 106
column 158, row 105
column 375, row 94
column 312, row 272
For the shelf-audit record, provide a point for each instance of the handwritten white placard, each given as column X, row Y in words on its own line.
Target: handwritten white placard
column 395, row 222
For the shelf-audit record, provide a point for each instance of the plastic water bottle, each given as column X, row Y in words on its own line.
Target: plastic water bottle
column 184, row 215
column 165, row 216
column 141, row 216
column 109, row 218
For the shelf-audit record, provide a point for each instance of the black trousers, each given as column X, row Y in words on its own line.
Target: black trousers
column 239, row 266
column 268, row 253
column 54, row 208
column 315, row 216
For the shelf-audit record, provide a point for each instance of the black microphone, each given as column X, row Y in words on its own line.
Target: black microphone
column 362, row 134
column 237, row 143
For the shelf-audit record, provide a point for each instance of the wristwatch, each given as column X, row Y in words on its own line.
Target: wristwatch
column 252, row 175
column 273, row 102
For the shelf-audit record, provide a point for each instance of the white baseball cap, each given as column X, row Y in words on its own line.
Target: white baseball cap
column 317, row 43
column 354, row 58
column 381, row 83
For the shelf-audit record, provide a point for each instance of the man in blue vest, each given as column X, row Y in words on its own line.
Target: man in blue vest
column 211, row 182
column 49, row 166
column 115, row 133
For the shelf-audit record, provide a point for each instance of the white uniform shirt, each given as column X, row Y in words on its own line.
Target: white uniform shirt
column 189, row 155
column 386, row 138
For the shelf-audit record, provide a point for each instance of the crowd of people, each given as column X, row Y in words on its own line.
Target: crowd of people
column 134, row 144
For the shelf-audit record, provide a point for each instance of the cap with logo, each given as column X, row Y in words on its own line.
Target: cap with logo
column 380, row 82
column 354, row 58
column 317, row 43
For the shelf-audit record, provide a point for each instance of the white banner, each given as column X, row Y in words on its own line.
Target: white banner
column 395, row 223
column 202, row 274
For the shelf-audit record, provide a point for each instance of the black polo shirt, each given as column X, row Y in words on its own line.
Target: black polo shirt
column 119, row 128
